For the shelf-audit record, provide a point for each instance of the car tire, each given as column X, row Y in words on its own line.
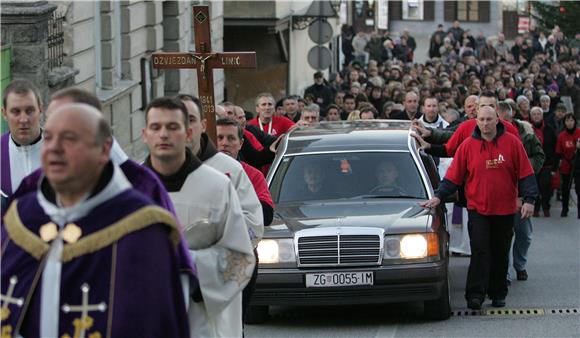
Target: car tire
column 256, row 315
column 440, row 308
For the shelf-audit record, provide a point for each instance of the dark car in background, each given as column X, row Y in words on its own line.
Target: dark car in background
column 348, row 228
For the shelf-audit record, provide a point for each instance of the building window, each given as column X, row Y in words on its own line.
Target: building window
column 467, row 11
column 412, row 9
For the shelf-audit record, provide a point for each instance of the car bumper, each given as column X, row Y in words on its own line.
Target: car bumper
column 392, row 284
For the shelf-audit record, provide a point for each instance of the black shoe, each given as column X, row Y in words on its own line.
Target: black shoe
column 474, row 304
column 522, row 275
column 498, row 302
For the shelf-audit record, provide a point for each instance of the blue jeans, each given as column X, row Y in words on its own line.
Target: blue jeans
column 522, row 241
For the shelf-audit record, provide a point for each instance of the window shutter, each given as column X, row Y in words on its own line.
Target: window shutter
column 484, row 9
column 396, row 10
column 429, row 10
column 449, row 11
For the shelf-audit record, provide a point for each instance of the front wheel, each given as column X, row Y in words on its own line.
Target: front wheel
column 256, row 315
column 440, row 308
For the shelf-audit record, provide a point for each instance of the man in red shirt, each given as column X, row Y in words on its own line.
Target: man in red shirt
column 463, row 132
column 494, row 166
column 273, row 125
column 230, row 137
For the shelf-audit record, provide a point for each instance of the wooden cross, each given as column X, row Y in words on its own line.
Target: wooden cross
column 7, row 299
column 205, row 61
column 85, row 321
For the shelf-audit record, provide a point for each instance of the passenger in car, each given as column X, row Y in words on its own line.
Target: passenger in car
column 315, row 182
column 387, row 175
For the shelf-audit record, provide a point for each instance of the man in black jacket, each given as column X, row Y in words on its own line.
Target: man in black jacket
column 411, row 111
column 321, row 92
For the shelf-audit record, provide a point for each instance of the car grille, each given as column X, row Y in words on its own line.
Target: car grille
column 340, row 249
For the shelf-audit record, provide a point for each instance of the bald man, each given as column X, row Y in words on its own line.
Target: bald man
column 494, row 179
column 69, row 243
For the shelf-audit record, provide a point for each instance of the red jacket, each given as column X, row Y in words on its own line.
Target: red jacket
column 280, row 125
column 465, row 130
column 566, row 148
column 492, row 172
column 249, row 137
column 259, row 183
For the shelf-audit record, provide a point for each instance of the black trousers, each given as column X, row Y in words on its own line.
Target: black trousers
column 544, row 180
column 566, row 190
column 490, row 238
column 250, row 287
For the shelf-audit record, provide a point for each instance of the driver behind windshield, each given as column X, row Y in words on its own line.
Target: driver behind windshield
column 387, row 175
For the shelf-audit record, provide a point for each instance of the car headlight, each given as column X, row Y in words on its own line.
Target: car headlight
column 411, row 246
column 272, row 251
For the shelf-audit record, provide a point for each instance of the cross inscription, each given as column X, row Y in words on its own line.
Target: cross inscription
column 85, row 322
column 8, row 299
column 205, row 61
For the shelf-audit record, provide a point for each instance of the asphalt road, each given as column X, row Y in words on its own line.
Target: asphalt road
column 553, row 286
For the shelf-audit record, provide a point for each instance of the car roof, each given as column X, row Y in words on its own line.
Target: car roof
column 350, row 136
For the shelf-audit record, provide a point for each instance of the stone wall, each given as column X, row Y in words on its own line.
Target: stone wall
column 105, row 43
column 24, row 27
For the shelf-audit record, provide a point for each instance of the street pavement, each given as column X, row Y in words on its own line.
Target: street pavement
column 553, row 286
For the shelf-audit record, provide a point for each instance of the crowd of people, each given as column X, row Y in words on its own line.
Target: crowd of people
column 74, row 260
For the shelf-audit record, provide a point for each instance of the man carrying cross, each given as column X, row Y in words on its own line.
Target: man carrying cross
column 76, row 264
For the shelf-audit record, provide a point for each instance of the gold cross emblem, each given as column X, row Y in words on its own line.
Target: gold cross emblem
column 85, row 322
column 8, row 299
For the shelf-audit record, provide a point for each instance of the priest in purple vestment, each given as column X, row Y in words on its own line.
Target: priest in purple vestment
column 74, row 263
column 140, row 177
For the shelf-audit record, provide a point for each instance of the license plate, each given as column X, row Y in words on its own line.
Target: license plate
column 321, row 280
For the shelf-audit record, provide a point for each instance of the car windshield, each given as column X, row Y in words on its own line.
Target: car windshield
column 372, row 175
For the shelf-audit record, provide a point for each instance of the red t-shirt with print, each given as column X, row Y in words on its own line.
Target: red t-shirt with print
column 566, row 148
column 465, row 130
column 279, row 126
column 491, row 171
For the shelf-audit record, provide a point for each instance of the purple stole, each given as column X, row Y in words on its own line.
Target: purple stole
column 6, row 179
column 128, row 277
column 457, row 216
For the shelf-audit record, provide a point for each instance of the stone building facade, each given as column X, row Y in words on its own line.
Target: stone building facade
column 108, row 45
column 107, row 49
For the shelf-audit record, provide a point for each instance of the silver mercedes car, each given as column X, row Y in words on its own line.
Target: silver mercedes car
column 348, row 228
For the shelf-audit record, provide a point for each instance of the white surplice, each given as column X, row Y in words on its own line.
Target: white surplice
column 23, row 161
column 249, row 201
column 208, row 208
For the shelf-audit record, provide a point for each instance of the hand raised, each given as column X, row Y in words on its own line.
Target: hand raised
column 422, row 143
